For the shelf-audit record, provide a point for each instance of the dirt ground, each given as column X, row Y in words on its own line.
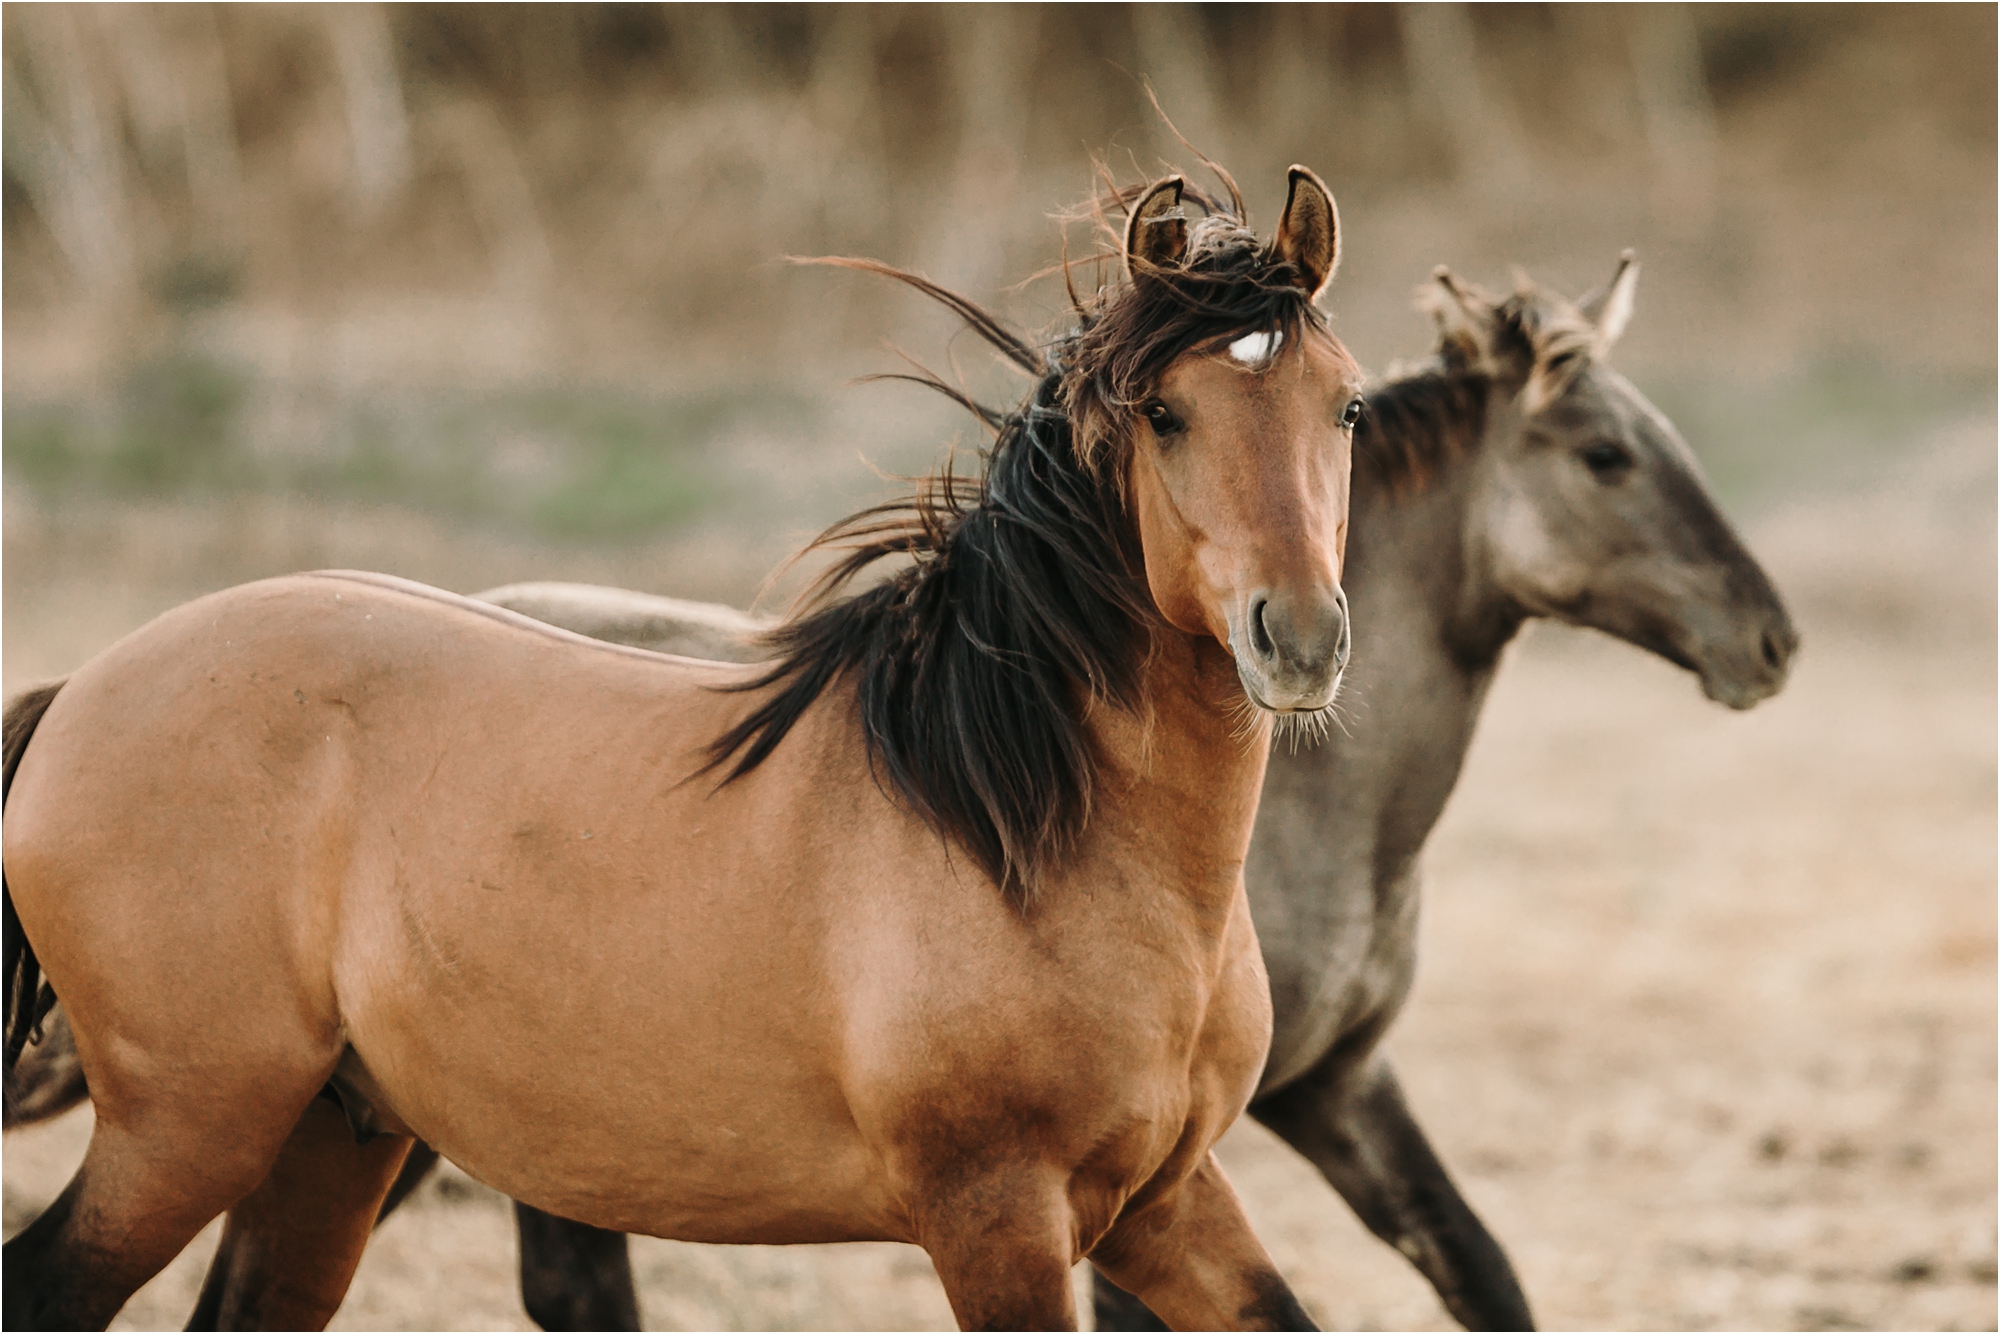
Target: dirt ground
column 1706, row 1021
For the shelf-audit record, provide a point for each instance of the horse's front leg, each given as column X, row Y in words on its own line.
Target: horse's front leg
column 1002, row 1242
column 1192, row 1258
column 1115, row 1308
column 1355, row 1127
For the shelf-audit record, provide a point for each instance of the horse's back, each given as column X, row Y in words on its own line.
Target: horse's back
column 329, row 679
column 644, row 620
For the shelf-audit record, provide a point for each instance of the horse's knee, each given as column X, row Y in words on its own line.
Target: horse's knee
column 1003, row 1247
column 49, row 1281
column 113, row 1227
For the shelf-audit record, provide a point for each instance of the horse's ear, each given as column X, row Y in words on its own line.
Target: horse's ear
column 1465, row 320
column 1156, row 234
column 1309, row 235
column 1610, row 307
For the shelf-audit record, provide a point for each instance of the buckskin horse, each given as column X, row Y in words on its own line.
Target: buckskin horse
column 932, row 928
column 1511, row 476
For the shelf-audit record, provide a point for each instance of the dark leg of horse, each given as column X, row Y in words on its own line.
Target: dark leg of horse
column 415, row 1168
column 573, row 1275
column 290, row 1247
column 1192, row 1258
column 1116, row 1308
column 1355, row 1127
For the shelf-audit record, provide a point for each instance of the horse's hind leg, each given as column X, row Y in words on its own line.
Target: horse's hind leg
column 1355, row 1127
column 573, row 1275
column 290, row 1246
column 415, row 1168
column 146, row 1187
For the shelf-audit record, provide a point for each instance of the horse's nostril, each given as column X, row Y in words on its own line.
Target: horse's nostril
column 1773, row 658
column 1260, row 634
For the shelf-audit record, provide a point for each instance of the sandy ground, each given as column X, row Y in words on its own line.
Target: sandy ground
column 1706, row 1021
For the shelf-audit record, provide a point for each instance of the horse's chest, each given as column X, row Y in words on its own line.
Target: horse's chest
column 1121, row 1078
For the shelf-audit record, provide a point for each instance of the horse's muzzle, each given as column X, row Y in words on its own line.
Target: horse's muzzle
column 1291, row 648
column 1753, row 669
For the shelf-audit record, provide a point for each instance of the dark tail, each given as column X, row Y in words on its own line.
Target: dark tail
column 28, row 997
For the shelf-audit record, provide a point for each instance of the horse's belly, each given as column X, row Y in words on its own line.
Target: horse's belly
column 713, row 1111
column 629, row 1057
column 785, row 1174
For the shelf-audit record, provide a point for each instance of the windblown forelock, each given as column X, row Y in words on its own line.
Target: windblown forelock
column 1130, row 332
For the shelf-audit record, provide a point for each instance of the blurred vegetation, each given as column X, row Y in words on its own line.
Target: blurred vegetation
column 602, row 464
column 1830, row 423
column 519, row 261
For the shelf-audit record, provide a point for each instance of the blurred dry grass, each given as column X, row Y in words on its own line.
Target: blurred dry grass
column 475, row 294
column 365, row 252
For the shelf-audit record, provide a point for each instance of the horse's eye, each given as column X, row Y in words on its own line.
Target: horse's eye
column 1161, row 418
column 1608, row 460
column 1352, row 415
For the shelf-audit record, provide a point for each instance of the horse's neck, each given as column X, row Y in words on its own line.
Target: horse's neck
column 1180, row 776
column 1423, row 559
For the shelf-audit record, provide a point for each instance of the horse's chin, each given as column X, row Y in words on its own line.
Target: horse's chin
column 1290, row 704
column 1736, row 694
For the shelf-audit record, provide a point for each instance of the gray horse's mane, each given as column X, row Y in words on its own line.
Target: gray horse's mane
column 1421, row 419
column 1419, row 423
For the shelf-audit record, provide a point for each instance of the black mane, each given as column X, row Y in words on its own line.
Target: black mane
column 971, row 665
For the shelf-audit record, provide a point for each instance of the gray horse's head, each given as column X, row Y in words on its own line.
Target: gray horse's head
column 1590, row 508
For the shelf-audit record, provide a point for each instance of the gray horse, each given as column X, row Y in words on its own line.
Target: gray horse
column 1512, row 475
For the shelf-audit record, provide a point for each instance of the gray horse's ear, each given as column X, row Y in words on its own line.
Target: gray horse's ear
column 1156, row 234
column 1610, row 308
column 1309, row 235
column 1465, row 319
